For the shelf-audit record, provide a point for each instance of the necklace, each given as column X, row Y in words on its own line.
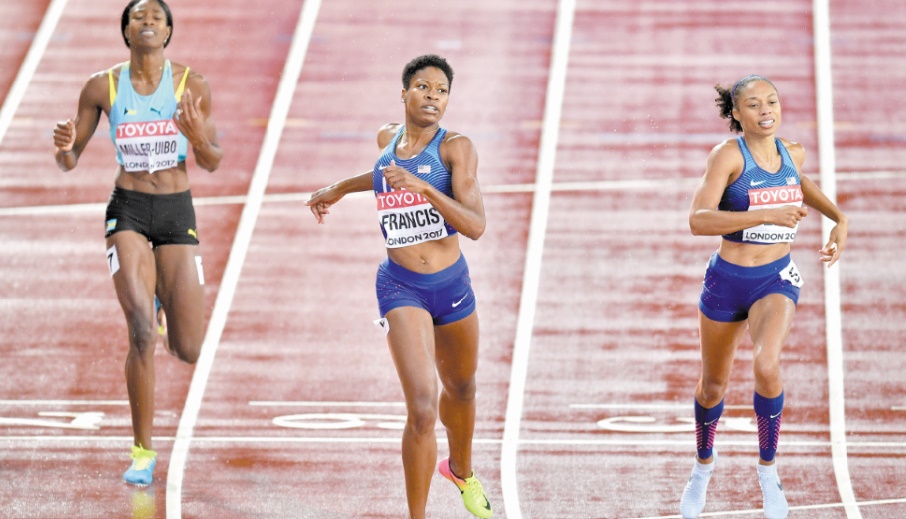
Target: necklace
column 407, row 137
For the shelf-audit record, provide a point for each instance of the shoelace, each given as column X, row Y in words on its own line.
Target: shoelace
column 143, row 457
column 476, row 491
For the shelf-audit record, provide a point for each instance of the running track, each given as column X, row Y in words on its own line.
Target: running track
column 592, row 120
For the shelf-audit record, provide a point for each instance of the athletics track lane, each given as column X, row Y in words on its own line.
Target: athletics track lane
column 300, row 328
column 869, row 269
column 19, row 22
column 63, row 335
column 616, row 328
column 868, row 40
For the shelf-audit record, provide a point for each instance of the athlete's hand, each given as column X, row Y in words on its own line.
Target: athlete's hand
column 321, row 200
column 190, row 120
column 787, row 216
column 836, row 242
column 400, row 178
column 64, row 135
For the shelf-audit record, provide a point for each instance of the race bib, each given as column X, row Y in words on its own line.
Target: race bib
column 769, row 198
column 148, row 146
column 791, row 274
column 408, row 219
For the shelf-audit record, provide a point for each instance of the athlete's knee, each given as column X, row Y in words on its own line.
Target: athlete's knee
column 712, row 391
column 767, row 369
column 461, row 390
column 142, row 335
column 422, row 416
column 187, row 351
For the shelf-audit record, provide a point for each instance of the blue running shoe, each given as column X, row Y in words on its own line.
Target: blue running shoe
column 141, row 472
column 158, row 309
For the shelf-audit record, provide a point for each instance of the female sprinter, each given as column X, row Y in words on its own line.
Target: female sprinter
column 426, row 186
column 751, row 194
column 156, row 110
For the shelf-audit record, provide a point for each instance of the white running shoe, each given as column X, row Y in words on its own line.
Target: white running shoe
column 693, row 500
column 775, row 505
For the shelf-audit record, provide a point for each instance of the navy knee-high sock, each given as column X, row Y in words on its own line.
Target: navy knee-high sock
column 769, row 412
column 706, row 427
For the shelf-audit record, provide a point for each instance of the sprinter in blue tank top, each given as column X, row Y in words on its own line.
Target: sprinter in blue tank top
column 156, row 110
column 426, row 189
column 752, row 194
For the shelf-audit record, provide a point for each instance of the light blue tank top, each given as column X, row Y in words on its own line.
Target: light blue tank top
column 141, row 127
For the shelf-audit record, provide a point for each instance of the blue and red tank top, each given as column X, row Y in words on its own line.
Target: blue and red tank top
column 757, row 189
column 408, row 218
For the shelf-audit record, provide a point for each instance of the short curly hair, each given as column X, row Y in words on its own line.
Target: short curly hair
column 422, row 62
column 128, row 10
column 726, row 99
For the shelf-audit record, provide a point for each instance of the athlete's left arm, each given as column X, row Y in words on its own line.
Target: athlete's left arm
column 465, row 211
column 813, row 197
column 193, row 118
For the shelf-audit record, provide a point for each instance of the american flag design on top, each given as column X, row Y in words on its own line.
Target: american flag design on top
column 408, row 218
column 757, row 189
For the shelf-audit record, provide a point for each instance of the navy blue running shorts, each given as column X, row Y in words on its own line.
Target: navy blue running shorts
column 729, row 290
column 446, row 295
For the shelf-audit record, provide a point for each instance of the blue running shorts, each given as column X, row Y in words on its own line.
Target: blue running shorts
column 729, row 290
column 446, row 295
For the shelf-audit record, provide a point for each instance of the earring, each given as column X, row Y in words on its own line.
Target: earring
column 402, row 100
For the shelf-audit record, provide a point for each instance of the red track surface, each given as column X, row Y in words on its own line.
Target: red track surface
column 615, row 323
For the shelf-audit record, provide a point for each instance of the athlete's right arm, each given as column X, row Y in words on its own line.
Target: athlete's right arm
column 70, row 137
column 705, row 219
column 321, row 200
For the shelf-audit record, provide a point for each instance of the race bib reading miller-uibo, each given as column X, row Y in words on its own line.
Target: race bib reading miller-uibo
column 408, row 219
column 148, row 146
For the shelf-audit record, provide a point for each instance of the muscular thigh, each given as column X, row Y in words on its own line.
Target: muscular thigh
column 457, row 350
column 180, row 284
column 770, row 320
column 132, row 267
column 719, row 341
column 411, row 343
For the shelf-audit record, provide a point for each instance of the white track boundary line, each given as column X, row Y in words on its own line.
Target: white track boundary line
column 833, row 327
column 497, row 189
column 30, row 64
column 63, row 402
column 659, row 445
column 279, row 112
column 754, row 511
column 547, row 152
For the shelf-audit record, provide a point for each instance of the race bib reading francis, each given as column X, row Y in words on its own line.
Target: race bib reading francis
column 408, row 218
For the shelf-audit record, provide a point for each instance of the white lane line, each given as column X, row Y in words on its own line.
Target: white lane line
column 290, row 77
column 832, row 314
column 599, row 185
column 683, row 407
column 681, row 445
column 753, row 511
column 324, row 404
column 547, row 151
column 64, row 402
column 30, row 64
